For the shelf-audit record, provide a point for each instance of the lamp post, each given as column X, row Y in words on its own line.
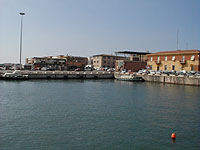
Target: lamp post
column 20, row 49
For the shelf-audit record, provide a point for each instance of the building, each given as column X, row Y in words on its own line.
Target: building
column 60, row 62
column 76, row 62
column 7, row 66
column 105, row 61
column 134, row 62
column 10, row 66
column 50, row 62
column 178, row 60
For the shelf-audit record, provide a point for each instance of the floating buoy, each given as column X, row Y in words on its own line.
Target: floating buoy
column 173, row 136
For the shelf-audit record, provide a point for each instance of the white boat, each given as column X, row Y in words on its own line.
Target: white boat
column 128, row 77
column 14, row 75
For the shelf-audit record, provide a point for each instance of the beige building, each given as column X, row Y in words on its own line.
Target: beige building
column 102, row 61
column 188, row 60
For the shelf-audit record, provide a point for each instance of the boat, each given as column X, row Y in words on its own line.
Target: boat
column 15, row 75
column 128, row 77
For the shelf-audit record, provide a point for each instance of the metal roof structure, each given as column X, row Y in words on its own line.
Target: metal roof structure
column 132, row 53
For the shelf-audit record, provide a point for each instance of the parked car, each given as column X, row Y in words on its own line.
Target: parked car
column 88, row 68
column 181, row 72
column 140, row 72
column 152, row 73
column 197, row 74
column 77, row 69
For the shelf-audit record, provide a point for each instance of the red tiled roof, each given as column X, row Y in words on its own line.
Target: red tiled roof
column 176, row 52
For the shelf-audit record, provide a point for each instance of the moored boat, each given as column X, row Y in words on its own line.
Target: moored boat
column 15, row 75
column 128, row 77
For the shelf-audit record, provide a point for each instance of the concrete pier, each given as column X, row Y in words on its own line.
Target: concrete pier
column 172, row 79
column 104, row 75
column 65, row 74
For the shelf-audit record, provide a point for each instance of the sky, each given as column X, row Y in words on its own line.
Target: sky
column 90, row 27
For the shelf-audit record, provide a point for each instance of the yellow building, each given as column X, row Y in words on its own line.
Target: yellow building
column 188, row 60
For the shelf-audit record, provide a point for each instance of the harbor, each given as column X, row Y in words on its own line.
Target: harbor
column 99, row 75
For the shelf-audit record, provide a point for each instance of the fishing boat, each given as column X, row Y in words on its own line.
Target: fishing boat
column 128, row 77
column 15, row 75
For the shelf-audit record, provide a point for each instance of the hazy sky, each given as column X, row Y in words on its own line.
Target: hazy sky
column 89, row 27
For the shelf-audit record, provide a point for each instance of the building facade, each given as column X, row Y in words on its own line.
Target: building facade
column 73, row 62
column 60, row 62
column 135, row 62
column 188, row 60
column 50, row 62
column 105, row 61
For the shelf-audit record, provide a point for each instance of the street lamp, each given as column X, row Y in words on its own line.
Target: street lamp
column 20, row 49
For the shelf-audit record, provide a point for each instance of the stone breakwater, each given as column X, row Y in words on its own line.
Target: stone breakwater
column 65, row 74
column 173, row 79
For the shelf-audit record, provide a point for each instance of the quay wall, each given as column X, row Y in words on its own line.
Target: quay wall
column 66, row 74
column 104, row 75
column 172, row 79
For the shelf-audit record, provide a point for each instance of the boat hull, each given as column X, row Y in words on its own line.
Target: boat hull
column 128, row 77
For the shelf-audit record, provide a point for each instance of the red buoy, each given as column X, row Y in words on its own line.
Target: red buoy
column 173, row 136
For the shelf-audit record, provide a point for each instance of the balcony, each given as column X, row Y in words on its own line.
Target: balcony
column 182, row 62
column 158, row 62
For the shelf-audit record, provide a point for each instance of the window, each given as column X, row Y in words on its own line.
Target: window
column 158, row 68
column 173, row 58
column 108, row 57
column 94, row 61
column 150, row 67
column 97, row 61
column 158, row 58
column 151, row 58
column 165, row 58
column 173, row 67
column 104, row 62
column 165, row 67
column 192, row 57
column 183, row 58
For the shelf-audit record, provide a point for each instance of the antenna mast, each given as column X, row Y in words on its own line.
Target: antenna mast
column 177, row 37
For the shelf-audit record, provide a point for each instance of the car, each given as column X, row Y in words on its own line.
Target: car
column 166, row 72
column 145, row 71
column 44, row 69
column 140, row 72
column 197, row 74
column 123, row 71
column 183, row 72
column 152, row 72
column 77, row 69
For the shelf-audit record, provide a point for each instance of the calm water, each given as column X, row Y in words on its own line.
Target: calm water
column 98, row 114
